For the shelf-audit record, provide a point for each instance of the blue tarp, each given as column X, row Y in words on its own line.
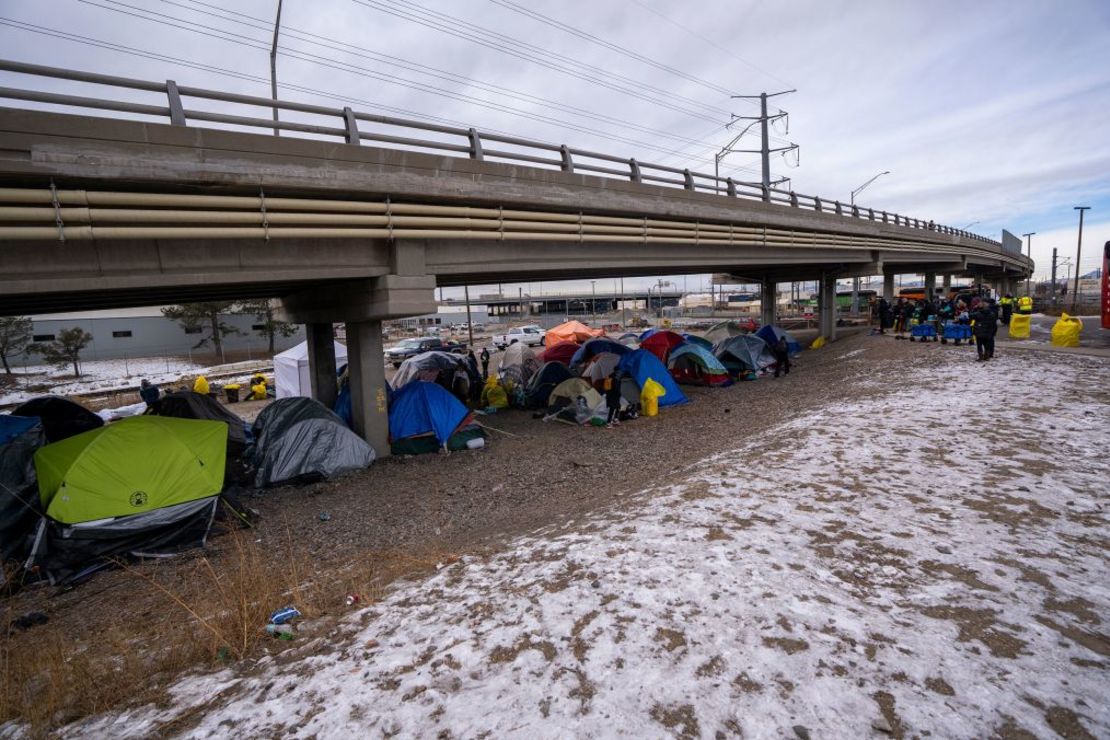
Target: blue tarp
column 698, row 355
column 770, row 334
column 421, row 407
column 595, row 347
column 642, row 365
column 13, row 426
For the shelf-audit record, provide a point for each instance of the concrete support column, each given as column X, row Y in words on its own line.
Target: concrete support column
column 366, row 374
column 826, row 304
column 888, row 286
column 947, row 283
column 930, row 286
column 321, row 363
column 768, row 300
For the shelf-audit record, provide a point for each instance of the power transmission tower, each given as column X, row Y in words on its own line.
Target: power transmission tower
column 765, row 149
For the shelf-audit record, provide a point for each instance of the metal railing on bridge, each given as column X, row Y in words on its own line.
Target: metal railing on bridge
column 348, row 125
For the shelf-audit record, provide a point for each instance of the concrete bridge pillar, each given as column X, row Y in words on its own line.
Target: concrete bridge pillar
column 826, row 306
column 321, row 362
column 947, row 283
column 366, row 374
column 930, row 286
column 888, row 286
column 768, row 298
column 362, row 305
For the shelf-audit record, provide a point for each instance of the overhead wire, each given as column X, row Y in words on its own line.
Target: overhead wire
column 299, row 54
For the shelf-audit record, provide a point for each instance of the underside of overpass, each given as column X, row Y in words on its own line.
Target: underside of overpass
column 98, row 213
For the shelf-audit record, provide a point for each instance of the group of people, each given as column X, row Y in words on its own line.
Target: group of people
column 982, row 313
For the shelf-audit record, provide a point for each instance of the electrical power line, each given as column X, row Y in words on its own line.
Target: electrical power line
column 340, row 65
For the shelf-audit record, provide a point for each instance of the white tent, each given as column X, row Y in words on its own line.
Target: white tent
column 291, row 370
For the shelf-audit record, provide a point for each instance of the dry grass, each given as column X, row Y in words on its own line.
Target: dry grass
column 210, row 610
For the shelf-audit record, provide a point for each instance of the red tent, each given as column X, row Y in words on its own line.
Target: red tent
column 561, row 352
column 661, row 343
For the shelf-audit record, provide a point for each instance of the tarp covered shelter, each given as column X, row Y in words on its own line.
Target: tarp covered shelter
column 61, row 418
column 291, row 376
column 561, row 352
column 544, row 381
column 300, row 440
column 189, row 405
column 771, row 334
column 723, row 330
column 567, row 393
column 20, row 437
column 145, row 486
column 600, row 366
column 743, row 354
column 642, row 365
column 596, row 347
column 661, row 343
column 571, row 331
column 424, row 417
column 629, row 339
column 692, row 363
column 518, row 364
column 433, row 366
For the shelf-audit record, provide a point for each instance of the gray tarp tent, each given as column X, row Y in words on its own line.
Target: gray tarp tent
column 300, row 440
column 428, row 366
column 745, row 353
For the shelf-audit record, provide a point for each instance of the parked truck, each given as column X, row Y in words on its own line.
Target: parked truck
column 407, row 348
column 531, row 335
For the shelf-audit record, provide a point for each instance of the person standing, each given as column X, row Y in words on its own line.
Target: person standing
column 613, row 397
column 781, row 351
column 1025, row 305
column 150, row 394
column 886, row 316
column 1007, row 304
column 485, row 363
column 985, row 328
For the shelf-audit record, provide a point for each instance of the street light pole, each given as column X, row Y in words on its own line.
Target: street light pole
column 273, row 66
column 1029, row 254
column 855, row 280
column 1078, row 255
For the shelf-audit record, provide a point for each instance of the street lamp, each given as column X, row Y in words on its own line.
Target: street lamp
column 1078, row 254
column 973, row 223
column 855, row 280
column 857, row 191
column 658, row 295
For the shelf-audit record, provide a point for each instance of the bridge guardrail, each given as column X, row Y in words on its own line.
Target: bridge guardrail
column 472, row 143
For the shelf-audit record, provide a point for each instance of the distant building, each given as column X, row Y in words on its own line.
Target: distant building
column 145, row 332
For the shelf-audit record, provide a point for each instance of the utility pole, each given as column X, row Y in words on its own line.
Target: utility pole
column 1078, row 255
column 852, row 201
column 624, row 308
column 1054, row 277
column 593, row 301
column 765, row 149
column 469, row 321
column 273, row 66
column 1029, row 254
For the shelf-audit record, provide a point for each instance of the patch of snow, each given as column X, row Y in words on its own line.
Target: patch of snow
column 933, row 558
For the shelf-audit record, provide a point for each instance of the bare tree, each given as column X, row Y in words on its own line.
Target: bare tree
column 15, row 335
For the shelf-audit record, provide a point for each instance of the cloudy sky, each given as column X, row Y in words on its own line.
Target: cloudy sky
column 992, row 113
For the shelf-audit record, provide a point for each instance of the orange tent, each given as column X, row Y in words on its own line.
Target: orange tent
column 571, row 331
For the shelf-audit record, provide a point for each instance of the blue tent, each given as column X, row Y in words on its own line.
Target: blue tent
column 421, row 407
column 695, row 339
column 596, row 346
column 642, row 365
column 649, row 332
column 770, row 334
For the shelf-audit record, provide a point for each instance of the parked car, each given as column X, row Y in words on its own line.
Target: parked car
column 407, row 348
column 531, row 335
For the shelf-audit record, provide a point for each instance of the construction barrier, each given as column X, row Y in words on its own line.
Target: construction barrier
column 1065, row 332
column 1019, row 326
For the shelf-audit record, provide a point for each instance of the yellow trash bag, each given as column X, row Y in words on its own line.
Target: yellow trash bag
column 1019, row 326
column 818, row 343
column 649, row 398
column 200, row 385
column 494, row 395
column 1065, row 332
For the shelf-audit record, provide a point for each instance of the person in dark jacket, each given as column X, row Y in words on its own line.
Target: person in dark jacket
column 985, row 328
column 781, row 351
column 150, row 394
column 613, row 397
column 485, row 363
column 886, row 315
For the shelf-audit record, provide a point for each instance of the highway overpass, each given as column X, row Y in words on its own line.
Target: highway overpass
column 358, row 217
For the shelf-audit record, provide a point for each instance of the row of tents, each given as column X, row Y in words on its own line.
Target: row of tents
column 76, row 492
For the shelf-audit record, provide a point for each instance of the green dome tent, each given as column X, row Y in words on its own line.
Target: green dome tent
column 144, row 486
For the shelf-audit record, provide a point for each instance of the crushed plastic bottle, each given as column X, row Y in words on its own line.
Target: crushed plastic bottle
column 281, row 631
column 284, row 615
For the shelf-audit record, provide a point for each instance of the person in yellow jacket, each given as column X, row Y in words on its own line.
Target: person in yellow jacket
column 1006, row 303
column 258, row 389
column 200, row 385
column 1025, row 305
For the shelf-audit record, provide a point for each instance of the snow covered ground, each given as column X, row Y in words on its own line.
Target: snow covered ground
column 932, row 561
